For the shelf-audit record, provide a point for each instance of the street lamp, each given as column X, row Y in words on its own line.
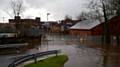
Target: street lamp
column 47, row 16
column 48, row 22
column 47, row 28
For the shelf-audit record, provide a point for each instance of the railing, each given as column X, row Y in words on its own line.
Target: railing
column 32, row 56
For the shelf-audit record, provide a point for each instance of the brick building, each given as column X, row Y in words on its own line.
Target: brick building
column 26, row 27
column 95, row 28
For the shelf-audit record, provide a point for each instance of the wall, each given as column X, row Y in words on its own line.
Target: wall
column 80, row 32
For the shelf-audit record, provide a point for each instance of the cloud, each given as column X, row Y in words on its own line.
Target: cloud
column 3, row 3
column 60, row 8
column 34, row 12
column 57, row 8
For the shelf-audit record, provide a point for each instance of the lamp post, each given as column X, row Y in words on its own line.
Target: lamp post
column 48, row 22
column 47, row 16
column 47, row 27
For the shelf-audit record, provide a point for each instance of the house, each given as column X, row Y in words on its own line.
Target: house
column 84, row 28
column 7, row 25
column 67, row 23
column 95, row 27
column 25, row 22
column 55, row 27
column 26, row 27
column 50, row 26
column 7, row 30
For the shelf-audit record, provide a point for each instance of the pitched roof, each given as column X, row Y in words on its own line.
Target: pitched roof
column 86, row 24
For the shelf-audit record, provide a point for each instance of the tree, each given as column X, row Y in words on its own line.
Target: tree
column 95, row 7
column 115, row 4
column 67, row 17
column 110, row 7
column 82, row 16
column 103, row 6
column 106, row 33
column 88, row 15
column 16, row 8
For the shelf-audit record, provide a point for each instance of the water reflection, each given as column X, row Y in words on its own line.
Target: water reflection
column 110, row 53
column 82, row 53
column 86, row 53
column 111, row 56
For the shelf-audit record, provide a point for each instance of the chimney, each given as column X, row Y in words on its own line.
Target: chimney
column 37, row 19
column 17, row 19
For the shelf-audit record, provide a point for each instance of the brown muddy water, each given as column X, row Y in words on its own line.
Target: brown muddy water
column 81, row 53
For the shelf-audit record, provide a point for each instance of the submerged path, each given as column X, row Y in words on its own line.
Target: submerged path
column 79, row 54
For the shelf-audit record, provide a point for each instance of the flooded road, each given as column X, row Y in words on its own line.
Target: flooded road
column 80, row 54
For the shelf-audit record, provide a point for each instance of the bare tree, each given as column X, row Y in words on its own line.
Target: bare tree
column 89, row 15
column 106, row 33
column 82, row 16
column 16, row 8
column 95, row 7
column 115, row 6
column 108, row 8
column 67, row 17
column 102, row 6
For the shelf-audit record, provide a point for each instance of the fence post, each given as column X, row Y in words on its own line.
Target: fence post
column 12, row 65
column 35, row 58
column 56, row 53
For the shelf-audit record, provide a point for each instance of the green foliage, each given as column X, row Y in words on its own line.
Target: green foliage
column 56, row 61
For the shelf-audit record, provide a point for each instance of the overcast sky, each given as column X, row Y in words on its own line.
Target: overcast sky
column 39, row 8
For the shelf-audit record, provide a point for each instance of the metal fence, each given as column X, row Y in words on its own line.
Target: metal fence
column 26, row 58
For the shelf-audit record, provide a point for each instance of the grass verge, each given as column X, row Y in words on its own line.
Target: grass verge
column 56, row 61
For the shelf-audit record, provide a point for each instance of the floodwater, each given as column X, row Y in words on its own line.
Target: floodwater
column 81, row 53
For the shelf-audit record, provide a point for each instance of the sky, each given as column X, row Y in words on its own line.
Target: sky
column 58, row 9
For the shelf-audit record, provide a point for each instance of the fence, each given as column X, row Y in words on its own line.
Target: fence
column 32, row 56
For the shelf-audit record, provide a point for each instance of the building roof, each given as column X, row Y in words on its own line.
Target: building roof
column 86, row 24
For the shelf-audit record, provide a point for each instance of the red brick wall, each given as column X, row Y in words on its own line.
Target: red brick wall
column 98, row 30
column 80, row 32
column 114, row 27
